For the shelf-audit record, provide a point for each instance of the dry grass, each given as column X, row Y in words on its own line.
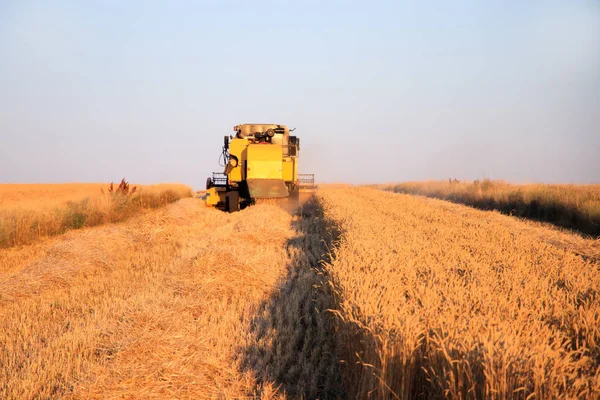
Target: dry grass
column 182, row 302
column 31, row 212
column 569, row 206
column 440, row 300
column 420, row 298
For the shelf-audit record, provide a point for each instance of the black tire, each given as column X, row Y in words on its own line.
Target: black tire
column 209, row 183
column 232, row 202
column 294, row 196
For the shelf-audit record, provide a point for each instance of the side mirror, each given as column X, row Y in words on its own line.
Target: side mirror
column 226, row 141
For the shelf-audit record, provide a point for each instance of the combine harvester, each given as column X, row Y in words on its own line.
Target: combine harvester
column 261, row 162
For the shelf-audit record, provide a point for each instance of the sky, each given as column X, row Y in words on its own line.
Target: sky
column 378, row 91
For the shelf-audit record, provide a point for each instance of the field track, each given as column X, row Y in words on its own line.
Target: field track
column 414, row 296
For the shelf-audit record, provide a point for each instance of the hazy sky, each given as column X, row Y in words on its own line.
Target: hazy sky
column 378, row 91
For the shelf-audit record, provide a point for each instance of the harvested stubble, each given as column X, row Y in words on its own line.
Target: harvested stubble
column 48, row 210
column 568, row 206
column 182, row 302
column 426, row 298
column 442, row 300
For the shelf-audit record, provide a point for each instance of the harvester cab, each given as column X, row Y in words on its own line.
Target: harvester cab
column 260, row 161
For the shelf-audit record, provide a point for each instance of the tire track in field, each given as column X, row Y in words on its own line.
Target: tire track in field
column 294, row 343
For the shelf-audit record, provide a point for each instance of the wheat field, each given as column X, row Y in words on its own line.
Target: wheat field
column 180, row 302
column 37, row 196
column 357, row 293
column 569, row 206
column 34, row 196
column 442, row 300
column 30, row 212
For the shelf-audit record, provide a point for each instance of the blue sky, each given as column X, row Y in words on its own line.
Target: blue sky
column 378, row 91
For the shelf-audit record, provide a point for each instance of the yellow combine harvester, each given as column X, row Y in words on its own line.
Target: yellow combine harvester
column 261, row 161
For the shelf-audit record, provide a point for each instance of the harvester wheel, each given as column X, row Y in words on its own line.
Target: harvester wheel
column 232, row 201
column 294, row 196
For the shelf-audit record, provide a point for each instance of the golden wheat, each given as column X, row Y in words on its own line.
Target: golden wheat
column 441, row 300
column 31, row 212
column 182, row 302
column 570, row 206
column 34, row 196
column 361, row 294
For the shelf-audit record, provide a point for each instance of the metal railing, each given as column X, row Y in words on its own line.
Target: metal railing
column 306, row 180
column 219, row 179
